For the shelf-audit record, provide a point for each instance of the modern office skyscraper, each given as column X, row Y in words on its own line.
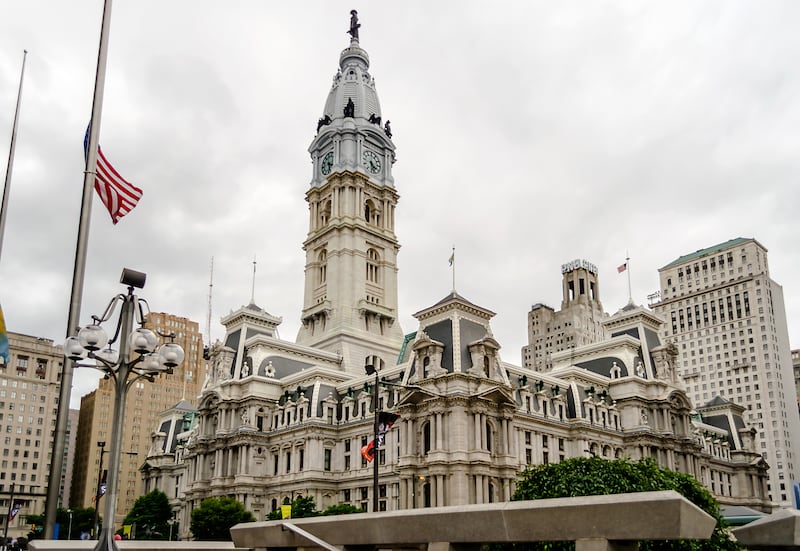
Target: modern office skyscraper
column 726, row 316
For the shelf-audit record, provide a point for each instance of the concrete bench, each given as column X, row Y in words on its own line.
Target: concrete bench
column 779, row 531
column 596, row 523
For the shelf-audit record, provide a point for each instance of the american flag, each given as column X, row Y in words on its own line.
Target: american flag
column 118, row 195
column 14, row 510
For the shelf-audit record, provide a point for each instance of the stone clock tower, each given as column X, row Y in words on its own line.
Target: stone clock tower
column 350, row 302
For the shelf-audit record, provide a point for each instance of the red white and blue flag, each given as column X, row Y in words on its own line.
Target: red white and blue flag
column 385, row 422
column 118, row 195
column 14, row 510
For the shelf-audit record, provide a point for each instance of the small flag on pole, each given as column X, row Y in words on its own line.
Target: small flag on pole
column 385, row 422
column 452, row 258
column 4, row 354
column 118, row 195
column 103, row 484
column 622, row 267
column 14, row 510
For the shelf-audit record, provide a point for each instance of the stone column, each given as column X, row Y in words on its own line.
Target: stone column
column 439, row 445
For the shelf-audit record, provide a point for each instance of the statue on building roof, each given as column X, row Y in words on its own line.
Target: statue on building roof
column 354, row 24
column 350, row 108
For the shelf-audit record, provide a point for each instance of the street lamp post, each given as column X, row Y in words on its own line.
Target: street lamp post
column 123, row 371
column 69, row 530
column 376, row 416
column 98, row 494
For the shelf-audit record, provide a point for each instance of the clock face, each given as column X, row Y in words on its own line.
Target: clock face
column 327, row 163
column 371, row 161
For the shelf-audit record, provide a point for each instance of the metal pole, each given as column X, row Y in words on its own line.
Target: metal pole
column 106, row 541
column 10, row 165
column 79, row 269
column 98, row 495
column 375, row 450
column 8, row 517
column 69, row 530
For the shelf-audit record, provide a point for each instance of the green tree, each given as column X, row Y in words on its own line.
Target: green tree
column 82, row 521
column 341, row 509
column 212, row 521
column 597, row 476
column 150, row 514
column 301, row 507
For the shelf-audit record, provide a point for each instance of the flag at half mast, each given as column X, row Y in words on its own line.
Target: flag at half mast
column 117, row 194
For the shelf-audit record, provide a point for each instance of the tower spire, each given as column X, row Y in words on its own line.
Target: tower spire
column 350, row 298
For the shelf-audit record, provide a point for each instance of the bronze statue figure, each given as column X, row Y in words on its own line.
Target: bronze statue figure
column 387, row 129
column 354, row 24
column 350, row 108
column 323, row 122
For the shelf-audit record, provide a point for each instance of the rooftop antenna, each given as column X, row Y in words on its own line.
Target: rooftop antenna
column 210, row 289
column 253, row 287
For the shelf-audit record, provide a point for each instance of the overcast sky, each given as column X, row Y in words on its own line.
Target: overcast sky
column 528, row 134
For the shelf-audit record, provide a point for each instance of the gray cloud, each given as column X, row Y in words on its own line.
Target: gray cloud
column 528, row 134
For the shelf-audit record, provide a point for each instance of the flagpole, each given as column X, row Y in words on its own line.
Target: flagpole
column 628, row 264
column 59, row 441
column 8, row 516
column 253, row 288
column 453, row 266
column 10, row 165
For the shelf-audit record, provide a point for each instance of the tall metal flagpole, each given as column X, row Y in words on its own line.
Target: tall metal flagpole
column 59, row 443
column 10, row 165
column 628, row 266
column 453, row 266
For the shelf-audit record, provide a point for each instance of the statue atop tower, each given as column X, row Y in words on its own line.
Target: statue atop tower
column 354, row 25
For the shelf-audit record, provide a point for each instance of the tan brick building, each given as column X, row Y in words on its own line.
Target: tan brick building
column 29, row 388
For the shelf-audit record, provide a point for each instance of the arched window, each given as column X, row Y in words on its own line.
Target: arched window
column 322, row 262
column 486, row 365
column 490, row 497
column 488, row 436
column 425, row 363
column 372, row 266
